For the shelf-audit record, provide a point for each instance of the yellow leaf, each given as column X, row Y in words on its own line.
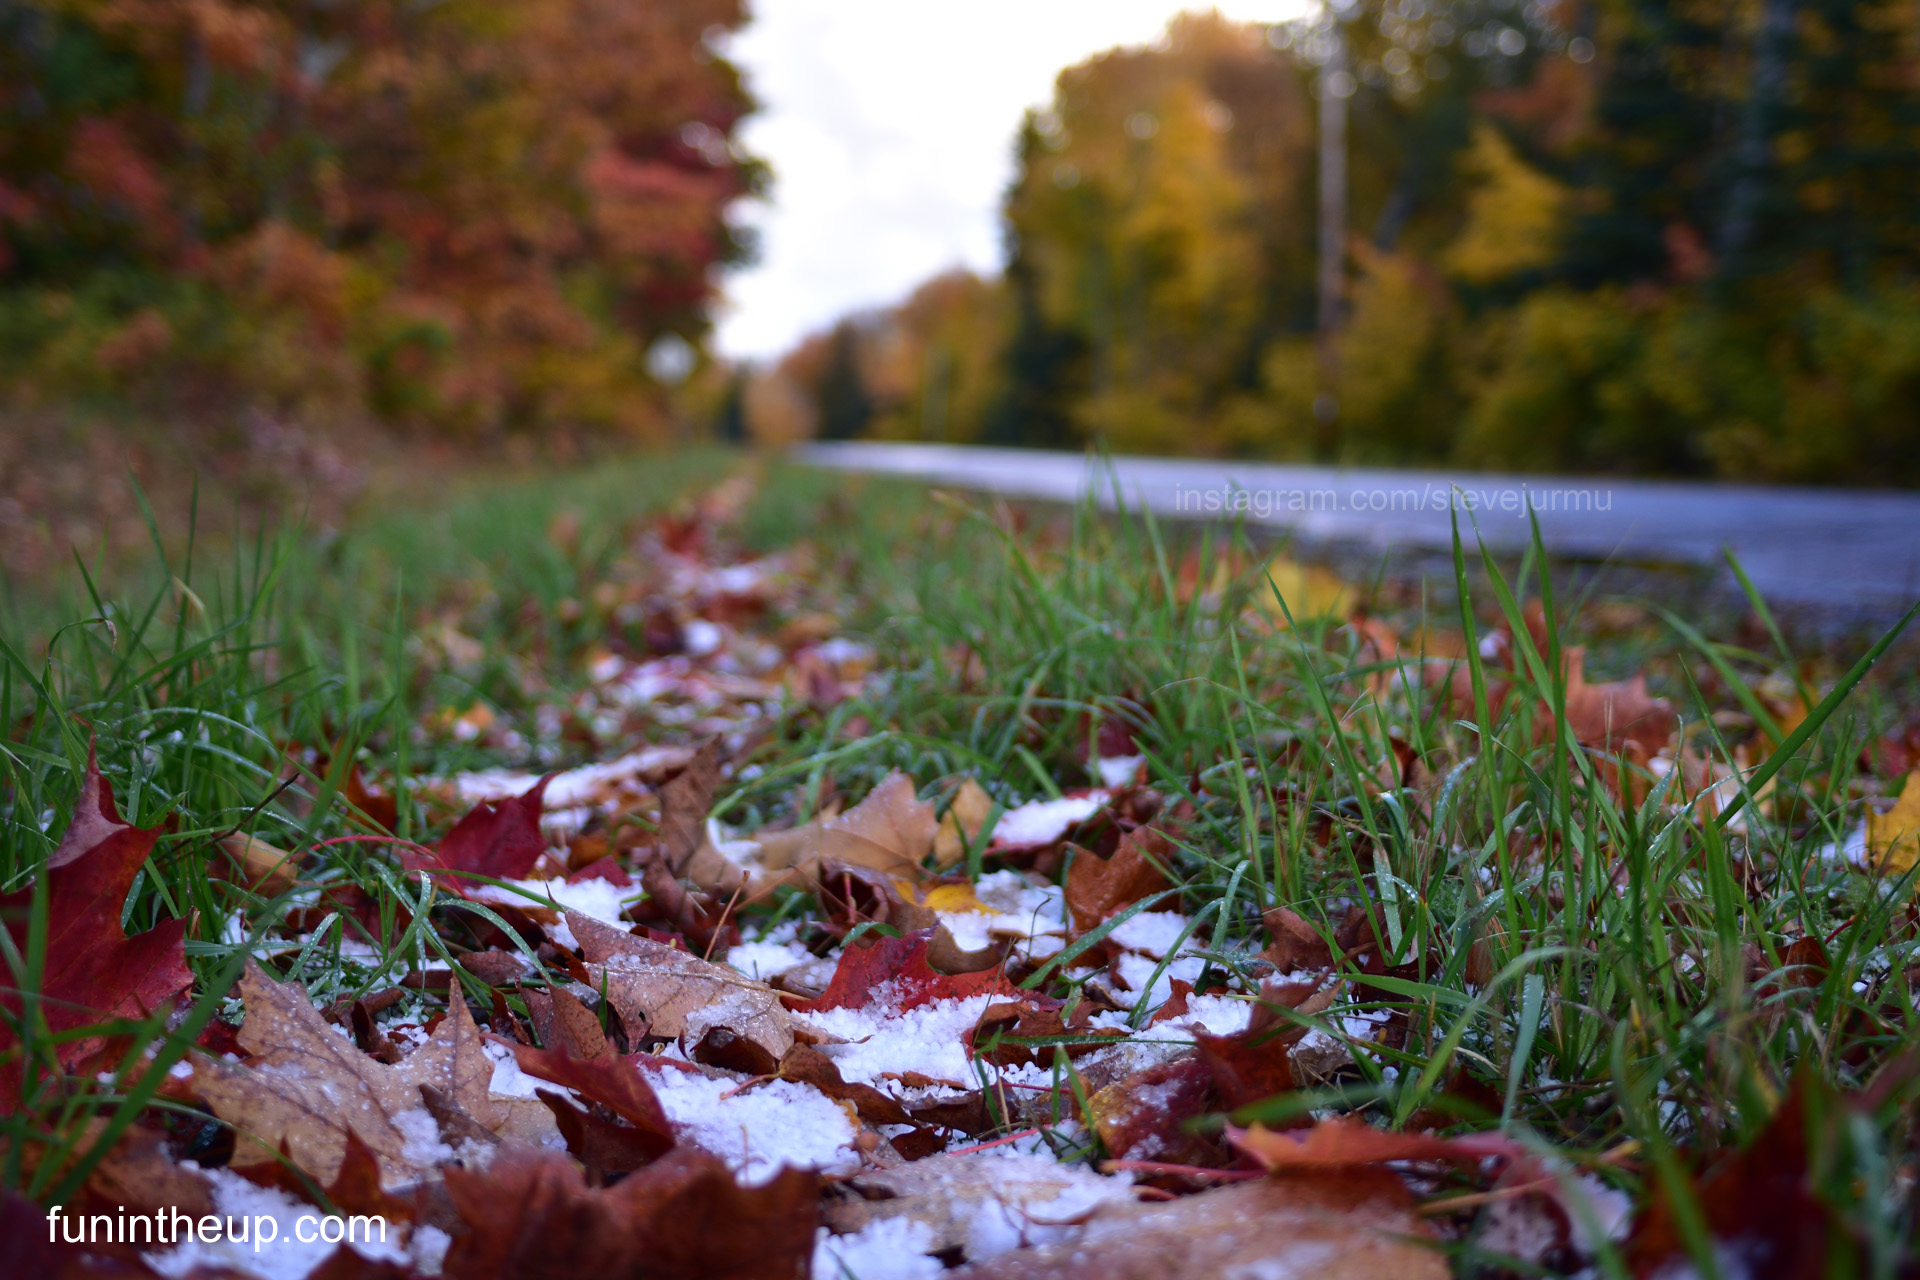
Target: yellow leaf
column 951, row 897
column 961, row 824
column 1893, row 837
column 1310, row 592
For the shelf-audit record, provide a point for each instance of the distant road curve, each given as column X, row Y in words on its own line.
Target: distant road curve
column 1838, row 551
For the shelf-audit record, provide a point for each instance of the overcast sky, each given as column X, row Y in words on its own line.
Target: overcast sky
column 890, row 127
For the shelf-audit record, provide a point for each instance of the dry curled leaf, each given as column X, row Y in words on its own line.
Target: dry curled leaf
column 891, row 831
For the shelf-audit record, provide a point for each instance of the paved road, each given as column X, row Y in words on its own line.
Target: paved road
column 1837, row 552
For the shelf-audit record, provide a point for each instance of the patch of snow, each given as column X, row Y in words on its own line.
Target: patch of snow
column 1215, row 1015
column 760, row 1130
column 764, row 959
column 420, row 1134
column 428, row 1245
column 1118, row 771
column 1154, row 933
column 269, row 1248
column 881, row 1038
column 885, row 1249
column 1852, row 850
column 1044, row 821
column 597, row 898
column 1137, row 970
column 702, row 637
column 508, row 1078
column 839, row 650
column 1014, row 909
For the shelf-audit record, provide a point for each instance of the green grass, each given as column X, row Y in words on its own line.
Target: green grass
column 1613, row 973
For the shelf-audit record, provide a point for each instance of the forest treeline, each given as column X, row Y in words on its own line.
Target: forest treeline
column 462, row 219
column 1661, row 236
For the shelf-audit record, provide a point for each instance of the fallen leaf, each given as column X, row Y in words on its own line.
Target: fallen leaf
column 1098, row 887
column 1310, row 592
column 685, row 800
column 891, row 831
column 672, row 993
column 806, row 1065
column 600, row 1142
column 529, row 1215
column 1342, row 1142
column 895, row 971
column 976, row 1203
column 1893, row 837
column 25, row 1249
column 93, row 970
column 501, row 839
column 1297, row 945
column 1609, row 716
column 1143, row 1117
column 1758, row 1206
column 267, row 870
column 962, row 823
column 1348, row 1225
column 308, row 1087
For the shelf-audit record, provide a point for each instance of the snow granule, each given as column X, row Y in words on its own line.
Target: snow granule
column 508, row 1078
column 282, row 1256
column 1044, row 821
column 597, row 898
column 1153, row 933
column 428, row 1245
column 1010, row 908
column 885, row 1249
column 880, row 1039
column 420, row 1134
column 1215, row 1015
column 760, row 1130
column 1137, row 970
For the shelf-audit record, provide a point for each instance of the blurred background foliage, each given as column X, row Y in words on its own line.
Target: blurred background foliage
column 1671, row 237
column 1662, row 236
column 461, row 220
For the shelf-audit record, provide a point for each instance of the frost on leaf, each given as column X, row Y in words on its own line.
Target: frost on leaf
column 308, row 1087
column 668, row 992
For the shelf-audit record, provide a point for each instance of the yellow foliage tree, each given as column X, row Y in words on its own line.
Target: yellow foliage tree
column 1515, row 214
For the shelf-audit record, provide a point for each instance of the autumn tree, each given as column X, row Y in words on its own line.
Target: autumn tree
column 475, row 216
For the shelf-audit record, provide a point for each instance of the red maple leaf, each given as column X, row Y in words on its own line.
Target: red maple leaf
column 896, row 969
column 500, row 839
column 92, row 971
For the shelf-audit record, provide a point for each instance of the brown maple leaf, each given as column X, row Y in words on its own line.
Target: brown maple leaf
column 530, row 1215
column 92, row 971
column 671, row 993
column 1611, row 715
column 1098, row 887
column 891, row 831
column 1355, row 1224
column 309, row 1088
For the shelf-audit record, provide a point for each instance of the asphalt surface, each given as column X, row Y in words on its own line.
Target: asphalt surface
column 1847, row 556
